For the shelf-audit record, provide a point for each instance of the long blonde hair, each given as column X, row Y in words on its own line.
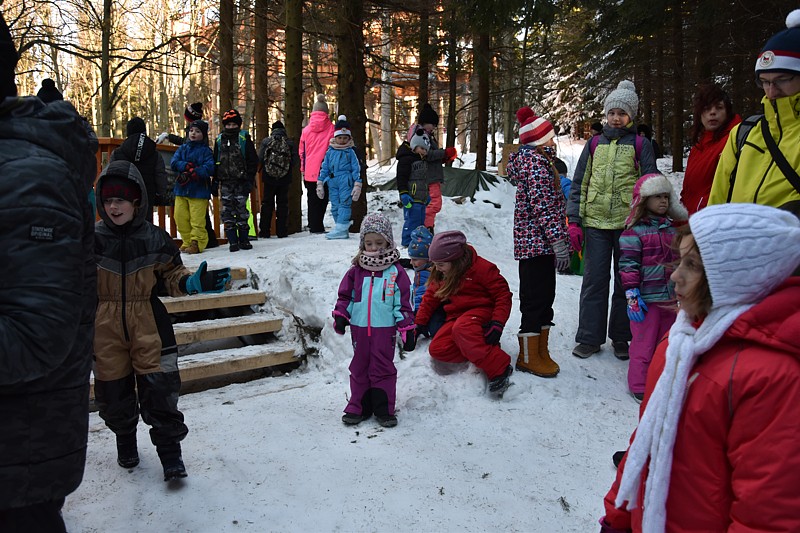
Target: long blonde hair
column 452, row 281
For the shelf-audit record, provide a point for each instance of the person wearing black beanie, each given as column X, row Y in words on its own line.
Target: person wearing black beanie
column 48, row 93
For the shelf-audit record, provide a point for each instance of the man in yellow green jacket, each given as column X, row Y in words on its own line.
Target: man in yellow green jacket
column 754, row 175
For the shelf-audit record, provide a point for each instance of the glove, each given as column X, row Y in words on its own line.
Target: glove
column 428, row 200
column 409, row 338
column 191, row 170
column 320, row 190
column 406, row 200
column 207, row 280
column 422, row 330
column 356, row 194
column 492, row 332
column 561, row 248
column 450, row 154
column 636, row 306
column 575, row 236
column 183, row 178
column 605, row 528
column 339, row 323
column 162, row 137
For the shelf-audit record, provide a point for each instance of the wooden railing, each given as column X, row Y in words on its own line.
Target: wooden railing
column 165, row 218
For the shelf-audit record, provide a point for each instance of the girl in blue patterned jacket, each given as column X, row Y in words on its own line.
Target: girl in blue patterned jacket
column 375, row 301
column 341, row 171
column 540, row 239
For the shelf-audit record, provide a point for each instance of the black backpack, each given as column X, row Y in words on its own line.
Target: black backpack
column 277, row 157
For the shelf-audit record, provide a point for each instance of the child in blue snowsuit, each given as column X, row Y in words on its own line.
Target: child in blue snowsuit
column 418, row 246
column 375, row 301
column 342, row 172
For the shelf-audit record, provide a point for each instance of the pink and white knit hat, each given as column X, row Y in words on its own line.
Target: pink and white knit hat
column 532, row 129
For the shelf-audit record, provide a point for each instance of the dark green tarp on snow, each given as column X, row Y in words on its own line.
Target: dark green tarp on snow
column 457, row 182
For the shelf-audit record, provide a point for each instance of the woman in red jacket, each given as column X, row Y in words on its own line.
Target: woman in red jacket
column 713, row 120
column 477, row 303
column 717, row 448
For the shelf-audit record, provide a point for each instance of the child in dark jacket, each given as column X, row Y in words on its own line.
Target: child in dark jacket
column 375, row 301
column 412, row 182
column 136, row 356
column 477, row 304
column 194, row 163
column 646, row 249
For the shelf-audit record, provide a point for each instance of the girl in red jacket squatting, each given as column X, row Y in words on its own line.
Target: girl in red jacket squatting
column 717, row 447
column 477, row 304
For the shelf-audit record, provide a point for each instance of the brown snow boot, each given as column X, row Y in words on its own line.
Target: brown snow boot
column 546, row 368
column 528, row 351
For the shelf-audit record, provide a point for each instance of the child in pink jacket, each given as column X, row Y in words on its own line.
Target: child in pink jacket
column 313, row 145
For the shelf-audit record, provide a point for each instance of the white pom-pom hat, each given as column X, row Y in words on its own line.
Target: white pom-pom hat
column 342, row 127
column 782, row 51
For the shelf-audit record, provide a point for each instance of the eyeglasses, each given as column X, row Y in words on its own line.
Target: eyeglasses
column 778, row 83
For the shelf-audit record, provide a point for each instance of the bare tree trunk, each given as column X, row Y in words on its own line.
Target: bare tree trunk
column 424, row 52
column 260, row 58
column 351, row 80
column 387, row 91
column 677, row 86
column 226, row 96
column 293, row 103
column 105, row 72
column 313, row 54
column 659, row 93
column 452, row 89
column 483, row 58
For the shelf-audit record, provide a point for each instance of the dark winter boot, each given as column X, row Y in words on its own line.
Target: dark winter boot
column 499, row 384
column 387, row 421
column 244, row 239
column 127, row 451
column 172, row 461
column 352, row 419
column 233, row 240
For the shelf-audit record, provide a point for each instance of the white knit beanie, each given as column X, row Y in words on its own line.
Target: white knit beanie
column 747, row 250
column 623, row 97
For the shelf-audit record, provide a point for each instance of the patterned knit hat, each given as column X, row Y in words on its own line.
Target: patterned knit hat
column 48, row 93
column 421, row 239
column 533, row 130
column 342, row 127
column 747, row 250
column 427, row 115
column 623, row 97
column 232, row 116
column 320, row 104
column 650, row 185
column 193, row 112
column 447, row 246
column 420, row 139
column 118, row 187
column 782, row 51
column 377, row 223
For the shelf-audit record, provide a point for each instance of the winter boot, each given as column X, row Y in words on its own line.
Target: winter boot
column 545, row 367
column 244, row 239
column 387, row 421
column 127, row 452
column 498, row 385
column 339, row 231
column 193, row 248
column 233, row 239
column 352, row 419
column 172, row 461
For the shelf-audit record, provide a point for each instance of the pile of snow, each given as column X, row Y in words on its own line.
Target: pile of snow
column 273, row 454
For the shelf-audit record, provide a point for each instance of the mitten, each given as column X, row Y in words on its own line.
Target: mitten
column 492, row 332
column 406, row 200
column 320, row 190
column 575, row 236
column 636, row 306
column 162, row 137
column 339, row 323
column 204, row 280
column 356, row 194
column 450, row 154
column 561, row 248
column 422, row 330
column 183, row 178
column 605, row 528
column 409, row 339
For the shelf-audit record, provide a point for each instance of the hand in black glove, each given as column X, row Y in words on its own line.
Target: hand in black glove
column 422, row 329
column 339, row 323
column 492, row 332
column 410, row 341
column 204, row 280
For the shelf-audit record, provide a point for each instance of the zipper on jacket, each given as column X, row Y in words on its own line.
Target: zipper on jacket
column 123, row 291
column 383, row 296
column 369, row 304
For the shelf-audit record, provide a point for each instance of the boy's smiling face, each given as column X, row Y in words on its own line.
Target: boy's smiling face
column 119, row 211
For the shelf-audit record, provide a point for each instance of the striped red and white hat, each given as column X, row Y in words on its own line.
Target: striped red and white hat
column 782, row 51
column 532, row 129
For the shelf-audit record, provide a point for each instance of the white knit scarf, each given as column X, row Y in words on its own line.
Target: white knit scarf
column 655, row 435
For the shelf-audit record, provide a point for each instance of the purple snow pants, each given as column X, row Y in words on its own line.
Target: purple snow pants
column 373, row 376
column 646, row 335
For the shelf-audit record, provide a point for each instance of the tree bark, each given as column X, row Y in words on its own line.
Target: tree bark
column 483, row 59
column 424, row 52
column 677, row 86
column 260, row 59
column 387, row 91
column 226, row 96
column 105, row 72
column 293, row 103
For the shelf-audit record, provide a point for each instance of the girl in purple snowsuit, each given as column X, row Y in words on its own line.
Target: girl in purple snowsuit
column 646, row 248
column 375, row 301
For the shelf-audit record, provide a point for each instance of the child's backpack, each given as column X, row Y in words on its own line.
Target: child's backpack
column 277, row 157
column 637, row 148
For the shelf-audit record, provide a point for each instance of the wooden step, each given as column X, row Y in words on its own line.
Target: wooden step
column 202, row 302
column 206, row 330
column 223, row 362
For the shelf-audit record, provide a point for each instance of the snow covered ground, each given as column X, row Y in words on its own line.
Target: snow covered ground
column 273, row 454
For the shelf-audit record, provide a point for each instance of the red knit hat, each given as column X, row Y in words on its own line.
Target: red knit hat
column 118, row 187
column 532, row 129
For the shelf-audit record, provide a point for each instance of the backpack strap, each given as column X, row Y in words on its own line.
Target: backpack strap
column 741, row 138
column 593, row 142
column 779, row 158
column 638, row 142
column 243, row 142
